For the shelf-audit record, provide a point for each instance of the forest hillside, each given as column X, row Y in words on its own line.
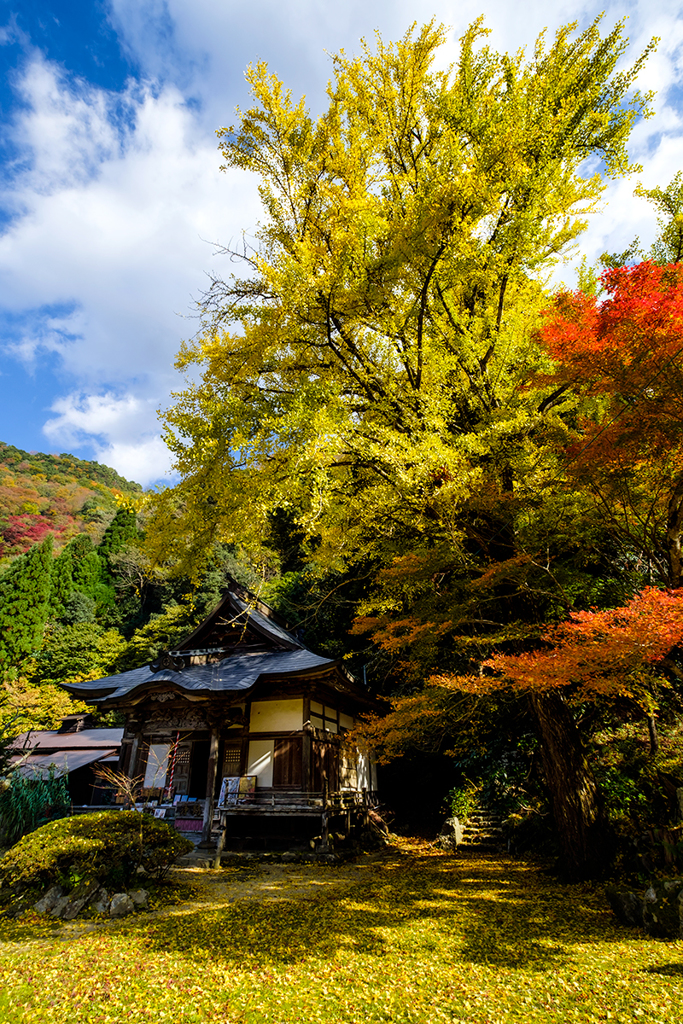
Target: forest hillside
column 54, row 494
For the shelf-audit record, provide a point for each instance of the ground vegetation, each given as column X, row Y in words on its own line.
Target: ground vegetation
column 419, row 937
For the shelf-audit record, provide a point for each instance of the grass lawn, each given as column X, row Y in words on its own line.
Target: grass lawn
column 417, row 937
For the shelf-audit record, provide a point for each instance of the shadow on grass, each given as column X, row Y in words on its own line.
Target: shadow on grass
column 488, row 912
column 670, row 970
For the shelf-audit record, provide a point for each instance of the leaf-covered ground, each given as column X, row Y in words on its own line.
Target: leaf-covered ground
column 415, row 937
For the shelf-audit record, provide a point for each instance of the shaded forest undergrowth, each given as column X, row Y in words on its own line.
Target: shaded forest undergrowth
column 418, row 936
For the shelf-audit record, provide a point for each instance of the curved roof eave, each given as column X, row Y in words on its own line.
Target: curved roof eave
column 232, row 675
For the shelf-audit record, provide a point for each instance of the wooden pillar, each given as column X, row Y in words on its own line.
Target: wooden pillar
column 211, row 784
column 306, row 745
column 134, row 750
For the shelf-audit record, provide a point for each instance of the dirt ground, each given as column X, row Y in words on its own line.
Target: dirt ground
column 263, row 882
column 272, row 881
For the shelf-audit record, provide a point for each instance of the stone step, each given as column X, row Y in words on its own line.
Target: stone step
column 483, row 830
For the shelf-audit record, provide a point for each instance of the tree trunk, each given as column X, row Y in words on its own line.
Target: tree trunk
column 583, row 828
column 674, row 526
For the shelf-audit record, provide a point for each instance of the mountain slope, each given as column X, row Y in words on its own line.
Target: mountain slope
column 58, row 494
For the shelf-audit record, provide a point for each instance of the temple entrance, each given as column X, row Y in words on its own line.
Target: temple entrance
column 199, row 769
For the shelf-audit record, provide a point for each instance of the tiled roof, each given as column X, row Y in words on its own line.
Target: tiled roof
column 235, row 673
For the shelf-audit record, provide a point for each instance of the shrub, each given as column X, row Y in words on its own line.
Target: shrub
column 461, row 802
column 107, row 847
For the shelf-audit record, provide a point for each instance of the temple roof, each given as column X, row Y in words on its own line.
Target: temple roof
column 243, row 642
column 239, row 619
column 232, row 674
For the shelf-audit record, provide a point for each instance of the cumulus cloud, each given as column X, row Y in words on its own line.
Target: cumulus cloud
column 113, row 195
column 113, row 216
column 118, row 426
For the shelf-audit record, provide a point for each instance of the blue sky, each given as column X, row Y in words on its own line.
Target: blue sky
column 110, row 192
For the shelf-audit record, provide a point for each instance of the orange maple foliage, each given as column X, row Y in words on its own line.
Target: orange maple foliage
column 597, row 654
column 629, row 347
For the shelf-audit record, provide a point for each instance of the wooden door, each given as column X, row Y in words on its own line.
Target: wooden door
column 287, row 763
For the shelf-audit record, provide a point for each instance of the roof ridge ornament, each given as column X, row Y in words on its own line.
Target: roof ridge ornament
column 165, row 660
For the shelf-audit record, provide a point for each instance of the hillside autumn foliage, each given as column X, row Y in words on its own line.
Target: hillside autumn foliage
column 61, row 495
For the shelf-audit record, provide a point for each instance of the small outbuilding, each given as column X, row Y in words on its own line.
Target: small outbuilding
column 77, row 750
column 241, row 728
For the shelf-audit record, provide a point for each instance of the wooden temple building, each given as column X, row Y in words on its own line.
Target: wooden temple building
column 241, row 727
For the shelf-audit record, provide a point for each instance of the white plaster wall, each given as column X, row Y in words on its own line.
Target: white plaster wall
column 261, row 761
column 277, row 715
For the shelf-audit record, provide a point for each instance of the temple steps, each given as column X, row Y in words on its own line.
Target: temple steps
column 483, row 831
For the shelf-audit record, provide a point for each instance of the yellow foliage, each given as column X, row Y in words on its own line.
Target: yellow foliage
column 25, row 706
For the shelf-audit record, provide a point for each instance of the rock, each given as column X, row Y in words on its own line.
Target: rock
column 663, row 909
column 450, row 836
column 49, row 901
column 140, row 898
column 79, row 898
column 121, row 905
column 289, row 857
column 101, row 904
column 85, row 890
column 58, row 908
column 627, row 907
column 73, row 909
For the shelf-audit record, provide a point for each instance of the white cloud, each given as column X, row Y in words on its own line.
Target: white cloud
column 114, row 220
column 118, row 425
column 114, row 195
column 147, row 462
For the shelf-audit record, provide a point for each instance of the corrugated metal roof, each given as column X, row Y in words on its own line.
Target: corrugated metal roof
column 50, row 739
column 64, row 761
column 233, row 674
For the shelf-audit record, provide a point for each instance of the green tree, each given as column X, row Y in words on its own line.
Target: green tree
column 79, row 582
column 371, row 373
column 121, row 530
column 24, row 604
column 81, row 650
column 26, row 705
column 159, row 634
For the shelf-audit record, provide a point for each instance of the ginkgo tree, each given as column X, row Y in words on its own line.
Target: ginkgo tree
column 369, row 374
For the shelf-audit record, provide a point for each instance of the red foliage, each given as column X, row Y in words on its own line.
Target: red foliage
column 598, row 653
column 21, row 532
column 629, row 347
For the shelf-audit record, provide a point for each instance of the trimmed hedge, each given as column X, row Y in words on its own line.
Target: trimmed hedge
column 107, row 847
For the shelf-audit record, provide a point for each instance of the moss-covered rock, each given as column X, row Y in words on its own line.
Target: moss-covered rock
column 663, row 909
column 107, row 847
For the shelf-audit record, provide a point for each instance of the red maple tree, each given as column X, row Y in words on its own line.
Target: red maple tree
column 624, row 353
column 596, row 654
